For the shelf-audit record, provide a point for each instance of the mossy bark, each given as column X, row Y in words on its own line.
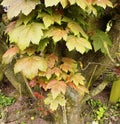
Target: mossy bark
column 96, row 63
column 16, row 80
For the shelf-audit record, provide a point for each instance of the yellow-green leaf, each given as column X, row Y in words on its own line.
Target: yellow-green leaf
column 64, row 3
column 78, row 79
column 30, row 66
column 50, row 19
column 76, row 29
column 57, row 34
column 51, row 2
column 103, row 3
column 78, row 43
column 59, row 100
column 15, row 7
column 25, row 34
column 69, row 65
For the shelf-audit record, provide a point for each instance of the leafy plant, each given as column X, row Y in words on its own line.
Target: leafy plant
column 36, row 29
column 5, row 101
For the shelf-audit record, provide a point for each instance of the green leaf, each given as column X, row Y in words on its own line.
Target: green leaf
column 59, row 100
column 42, row 45
column 78, row 79
column 30, row 66
column 25, row 19
column 50, row 19
column 101, row 41
column 15, row 7
column 78, row 43
column 25, row 34
column 76, row 29
column 57, row 34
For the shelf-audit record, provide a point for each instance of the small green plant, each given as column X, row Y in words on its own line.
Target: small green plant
column 98, row 109
column 5, row 101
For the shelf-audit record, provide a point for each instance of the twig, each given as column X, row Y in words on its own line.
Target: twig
column 95, row 91
column 64, row 115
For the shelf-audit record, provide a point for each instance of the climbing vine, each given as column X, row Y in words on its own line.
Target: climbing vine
column 36, row 31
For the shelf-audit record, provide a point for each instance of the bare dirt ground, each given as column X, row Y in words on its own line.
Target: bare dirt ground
column 24, row 111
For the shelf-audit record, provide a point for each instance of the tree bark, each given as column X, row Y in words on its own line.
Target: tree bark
column 95, row 65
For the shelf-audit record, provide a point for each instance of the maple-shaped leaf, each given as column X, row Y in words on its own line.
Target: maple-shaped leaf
column 57, row 71
column 77, row 79
column 50, row 19
column 54, row 102
column 30, row 51
column 56, row 87
column 48, row 73
column 69, row 65
column 57, row 34
column 25, row 34
column 52, row 59
column 81, row 89
column 10, row 26
column 9, row 54
column 101, row 41
column 64, row 3
column 103, row 3
column 78, row 43
column 30, row 66
column 82, row 4
column 76, row 29
column 51, row 2
column 15, row 7
column 42, row 45
column 25, row 19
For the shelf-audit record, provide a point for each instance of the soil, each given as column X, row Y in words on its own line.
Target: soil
column 24, row 110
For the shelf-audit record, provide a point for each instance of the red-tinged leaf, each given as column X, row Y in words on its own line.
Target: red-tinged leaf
column 69, row 65
column 72, row 85
column 9, row 54
column 57, row 71
column 81, row 89
column 39, row 96
column 49, row 73
column 52, row 59
column 78, row 79
column 33, row 83
column 30, row 66
column 56, row 87
column 43, row 85
column 10, row 26
column 117, row 71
